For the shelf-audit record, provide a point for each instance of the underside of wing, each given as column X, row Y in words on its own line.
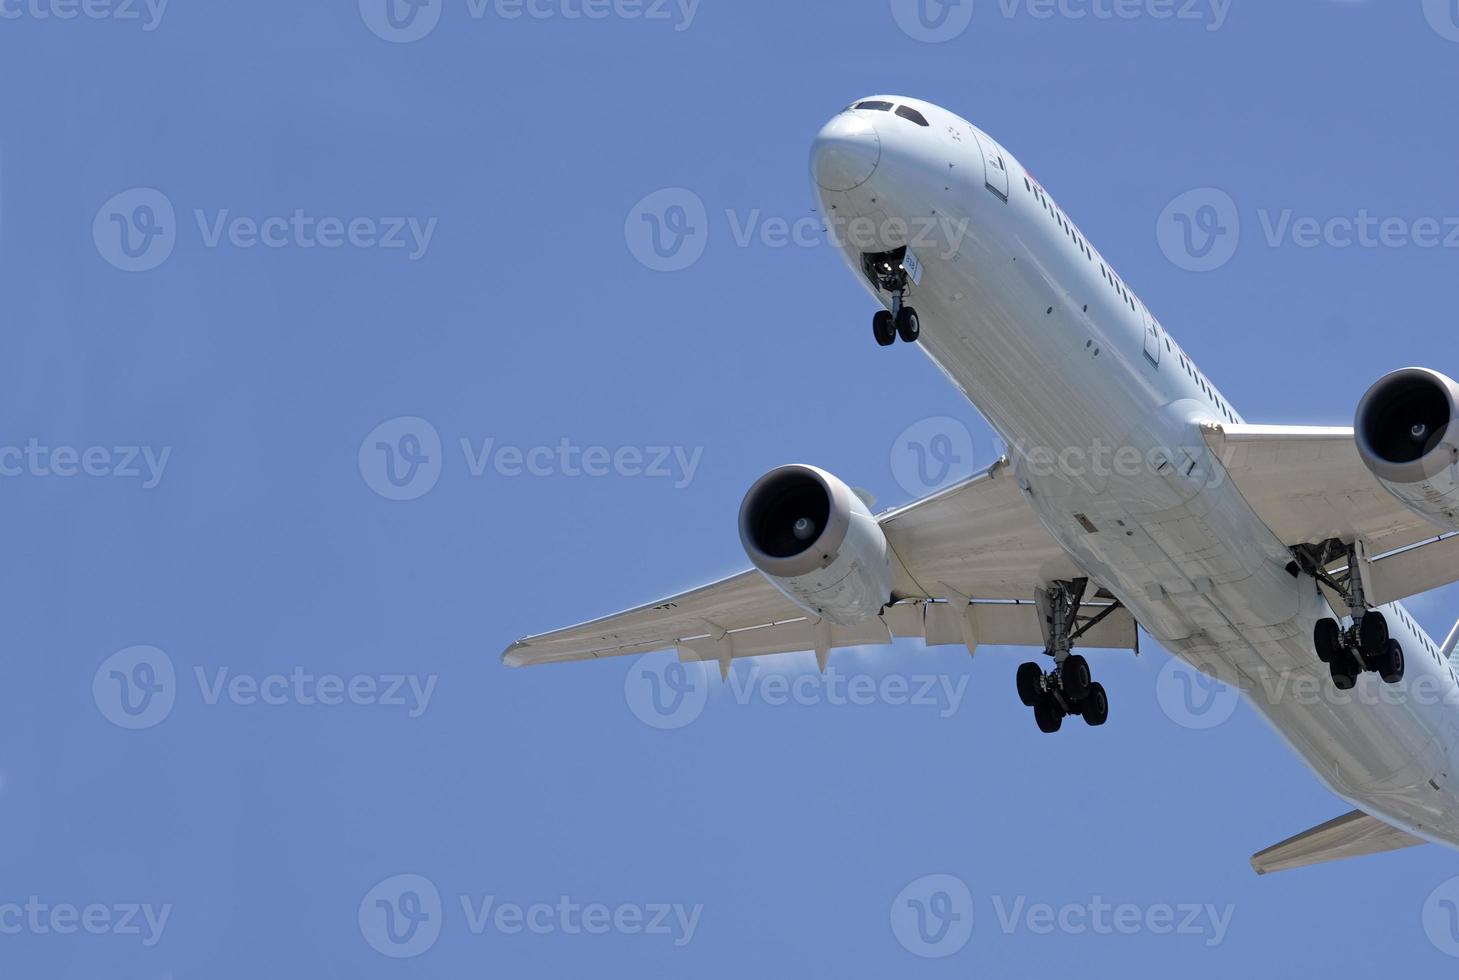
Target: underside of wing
column 1354, row 835
column 1310, row 486
column 974, row 556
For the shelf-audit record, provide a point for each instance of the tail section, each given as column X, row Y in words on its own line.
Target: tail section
column 1355, row 835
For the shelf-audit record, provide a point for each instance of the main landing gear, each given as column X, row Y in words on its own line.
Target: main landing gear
column 1068, row 689
column 1365, row 645
column 890, row 276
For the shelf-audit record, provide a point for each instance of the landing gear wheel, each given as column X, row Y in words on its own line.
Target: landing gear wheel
column 884, row 326
column 909, row 325
column 1075, row 678
column 1030, row 685
column 1374, row 636
column 1327, row 637
column 1391, row 664
column 1344, row 673
column 1095, row 707
column 1049, row 716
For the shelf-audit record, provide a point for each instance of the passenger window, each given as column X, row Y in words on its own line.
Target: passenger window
column 907, row 112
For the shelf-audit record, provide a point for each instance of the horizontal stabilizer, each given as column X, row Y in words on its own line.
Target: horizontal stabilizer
column 1354, row 835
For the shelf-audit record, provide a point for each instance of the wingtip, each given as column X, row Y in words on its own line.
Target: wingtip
column 515, row 655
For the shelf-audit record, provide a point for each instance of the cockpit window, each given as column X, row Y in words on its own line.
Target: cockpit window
column 907, row 112
column 877, row 106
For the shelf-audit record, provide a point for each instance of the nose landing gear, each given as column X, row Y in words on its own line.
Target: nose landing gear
column 888, row 272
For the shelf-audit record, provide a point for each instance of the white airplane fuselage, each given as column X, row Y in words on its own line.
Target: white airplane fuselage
column 1098, row 405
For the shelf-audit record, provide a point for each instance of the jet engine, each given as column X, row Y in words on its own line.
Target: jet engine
column 819, row 544
column 1408, row 435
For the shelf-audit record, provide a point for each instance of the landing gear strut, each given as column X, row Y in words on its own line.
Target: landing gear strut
column 1363, row 646
column 1069, row 688
column 890, row 275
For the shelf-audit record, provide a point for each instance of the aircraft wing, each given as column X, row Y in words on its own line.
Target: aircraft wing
column 1309, row 485
column 975, row 556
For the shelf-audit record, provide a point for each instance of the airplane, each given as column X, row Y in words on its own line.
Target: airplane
column 1133, row 496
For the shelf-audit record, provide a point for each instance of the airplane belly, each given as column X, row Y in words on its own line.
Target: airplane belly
column 1170, row 535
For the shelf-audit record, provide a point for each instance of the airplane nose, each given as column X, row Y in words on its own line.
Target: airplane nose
column 846, row 152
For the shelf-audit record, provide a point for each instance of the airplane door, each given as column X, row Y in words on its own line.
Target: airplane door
column 994, row 167
column 1152, row 338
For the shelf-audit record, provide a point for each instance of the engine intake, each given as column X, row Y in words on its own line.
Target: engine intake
column 1408, row 436
column 818, row 543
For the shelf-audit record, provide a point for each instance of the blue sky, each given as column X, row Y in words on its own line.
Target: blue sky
column 252, row 663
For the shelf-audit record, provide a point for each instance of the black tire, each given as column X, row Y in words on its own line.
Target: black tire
column 1049, row 716
column 909, row 325
column 1096, row 706
column 1327, row 638
column 1075, row 677
column 1344, row 673
column 1030, row 685
column 1374, row 636
column 1392, row 665
column 884, row 327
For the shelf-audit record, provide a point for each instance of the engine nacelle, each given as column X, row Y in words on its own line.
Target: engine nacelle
column 816, row 540
column 1408, row 435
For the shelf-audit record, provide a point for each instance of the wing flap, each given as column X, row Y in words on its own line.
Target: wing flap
column 1354, row 835
column 1414, row 571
